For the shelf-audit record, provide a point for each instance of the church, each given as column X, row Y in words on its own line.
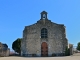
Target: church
column 44, row 38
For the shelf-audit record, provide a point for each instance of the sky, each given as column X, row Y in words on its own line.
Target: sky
column 16, row 14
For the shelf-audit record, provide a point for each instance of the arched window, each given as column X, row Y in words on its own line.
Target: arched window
column 44, row 33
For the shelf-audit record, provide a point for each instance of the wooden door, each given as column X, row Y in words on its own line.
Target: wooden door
column 44, row 49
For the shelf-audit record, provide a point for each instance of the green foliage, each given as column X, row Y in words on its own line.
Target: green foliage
column 67, row 51
column 16, row 45
column 5, row 45
column 78, row 46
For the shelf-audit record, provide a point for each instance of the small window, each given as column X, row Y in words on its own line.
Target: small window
column 44, row 33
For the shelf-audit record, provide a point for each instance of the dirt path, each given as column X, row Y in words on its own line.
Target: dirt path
column 41, row 58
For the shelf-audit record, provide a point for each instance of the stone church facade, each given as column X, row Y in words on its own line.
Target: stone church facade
column 44, row 38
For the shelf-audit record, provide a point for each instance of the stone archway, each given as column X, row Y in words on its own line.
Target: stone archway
column 44, row 49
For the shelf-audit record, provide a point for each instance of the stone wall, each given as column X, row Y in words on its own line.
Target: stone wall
column 4, row 51
column 71, row 49
column 56, row 38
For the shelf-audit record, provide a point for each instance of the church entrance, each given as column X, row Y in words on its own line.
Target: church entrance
column 44, row 49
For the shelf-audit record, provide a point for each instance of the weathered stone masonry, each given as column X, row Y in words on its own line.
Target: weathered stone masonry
column 56, row 38
column 4, row 50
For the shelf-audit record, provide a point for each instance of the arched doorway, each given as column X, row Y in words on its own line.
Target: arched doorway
column 44, row 49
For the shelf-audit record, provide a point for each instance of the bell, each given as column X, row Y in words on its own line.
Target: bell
column 44, row 17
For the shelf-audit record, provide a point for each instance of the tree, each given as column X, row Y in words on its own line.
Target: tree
column 78, row 46
column 16, row 45
column 5, row 46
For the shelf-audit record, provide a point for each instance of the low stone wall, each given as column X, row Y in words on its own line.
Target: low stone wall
column 5, row 53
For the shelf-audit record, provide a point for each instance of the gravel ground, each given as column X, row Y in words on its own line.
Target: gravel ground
column 41, row 58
